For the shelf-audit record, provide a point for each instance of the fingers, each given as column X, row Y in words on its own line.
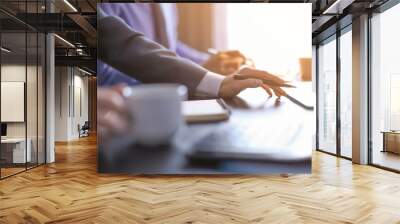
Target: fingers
column 230, row 86
column 258, row 74
column 247, row 83
column 230, row 61
column 108, row 98
column 267, row 89
column 234, row 53
column 119, row 88
column 230, row 66
column 112, row 122
column 252, row 73
column 112, row 112
column 279, row 92
column 225, row 62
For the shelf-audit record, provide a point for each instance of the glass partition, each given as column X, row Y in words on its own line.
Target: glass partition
column 22, row 90
column 346, row 93
column 327, row 96
column 14, row 153
column 31, row 97
column 41, row 96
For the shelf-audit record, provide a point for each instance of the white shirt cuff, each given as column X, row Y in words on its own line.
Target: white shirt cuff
column 210, row 84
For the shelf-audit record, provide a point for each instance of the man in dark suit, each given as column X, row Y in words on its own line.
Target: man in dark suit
column 148, row 62
column 159, row 23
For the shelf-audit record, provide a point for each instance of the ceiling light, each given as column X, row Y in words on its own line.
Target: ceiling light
column 70, row 5
column 79, row 51
column 84, row 71
column 338, row 6
column 5, row 50
column 65, row 41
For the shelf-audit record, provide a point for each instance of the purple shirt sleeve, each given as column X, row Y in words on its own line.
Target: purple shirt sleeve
column 140, row 17
column 190, row 53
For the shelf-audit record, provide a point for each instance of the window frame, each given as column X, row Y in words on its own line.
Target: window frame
column 333, row 37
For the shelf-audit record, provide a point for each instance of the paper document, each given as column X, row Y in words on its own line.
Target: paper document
column 204, row 111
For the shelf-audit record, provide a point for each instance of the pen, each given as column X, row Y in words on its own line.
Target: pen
column 295, row 101
column 275, row 84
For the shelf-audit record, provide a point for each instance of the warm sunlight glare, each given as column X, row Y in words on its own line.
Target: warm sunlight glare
column 275, row 36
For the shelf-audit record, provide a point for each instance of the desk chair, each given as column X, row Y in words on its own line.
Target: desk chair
column 84, row 130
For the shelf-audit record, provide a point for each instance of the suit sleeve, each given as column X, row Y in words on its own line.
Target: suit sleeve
column 141, row 58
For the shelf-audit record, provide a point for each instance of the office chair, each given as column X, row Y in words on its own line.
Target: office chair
column 84, row 130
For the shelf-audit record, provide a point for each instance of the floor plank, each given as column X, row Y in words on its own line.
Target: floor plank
column 71, row 191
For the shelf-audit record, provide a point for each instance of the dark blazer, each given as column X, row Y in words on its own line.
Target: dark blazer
column 141, row 58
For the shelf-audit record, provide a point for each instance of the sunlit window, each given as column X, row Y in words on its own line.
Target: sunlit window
column 327, row 96
column 346, row 93
column 386, row 88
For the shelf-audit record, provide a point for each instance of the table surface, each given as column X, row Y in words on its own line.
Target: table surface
column 121, row 157
column 391, row 132
column 13, row 140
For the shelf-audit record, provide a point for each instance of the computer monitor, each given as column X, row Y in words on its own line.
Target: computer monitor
column 3, row 129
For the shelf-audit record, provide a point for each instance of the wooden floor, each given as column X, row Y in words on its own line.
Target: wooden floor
column 10, row 171
column 71, row 191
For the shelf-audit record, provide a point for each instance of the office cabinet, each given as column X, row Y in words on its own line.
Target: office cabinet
column 391, row 142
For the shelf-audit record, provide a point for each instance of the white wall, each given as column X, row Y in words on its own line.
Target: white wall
column 80, row 100
column 14, row 73
column 70, row 83
column 62, row 81
column 17, row 73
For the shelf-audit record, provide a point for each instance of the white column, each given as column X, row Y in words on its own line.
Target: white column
column 63, row 102
column 314, row 89
column 360, row 90
column 50, row 92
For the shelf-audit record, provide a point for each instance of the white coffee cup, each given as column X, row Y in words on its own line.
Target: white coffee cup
column 155, row 111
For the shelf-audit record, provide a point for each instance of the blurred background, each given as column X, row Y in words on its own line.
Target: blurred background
column 275, row 44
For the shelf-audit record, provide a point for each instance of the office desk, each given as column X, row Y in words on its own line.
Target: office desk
column 391, row 141
column 121, row 157
column 13, row 150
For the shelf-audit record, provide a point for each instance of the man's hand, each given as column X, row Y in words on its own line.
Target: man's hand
column 112, row 113
column 225, row 62
column 259, row 74
column 230, row 86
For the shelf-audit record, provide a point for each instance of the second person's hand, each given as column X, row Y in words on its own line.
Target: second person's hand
column 225, row 62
